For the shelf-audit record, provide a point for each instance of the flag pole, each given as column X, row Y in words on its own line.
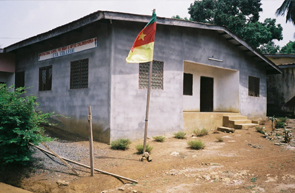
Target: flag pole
column 148, row 103
column 147, row 106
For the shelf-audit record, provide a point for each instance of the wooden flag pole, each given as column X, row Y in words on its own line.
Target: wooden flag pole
column 91, row 141
column 148, row 103
column 147, row 106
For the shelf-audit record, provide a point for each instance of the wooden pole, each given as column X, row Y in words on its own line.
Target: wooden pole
column 63, row 161
column 147, row 106
column 91, row 141
column 85, row 166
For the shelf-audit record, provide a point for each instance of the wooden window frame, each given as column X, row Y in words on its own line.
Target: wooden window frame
column 79, row 74
column 48, row 78
column 187, row 84
column 253, row 86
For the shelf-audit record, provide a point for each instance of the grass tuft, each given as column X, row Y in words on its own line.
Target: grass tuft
column 159, row 138
column 139, row 148
column 180, row 135
column 121, row 144
column 196, row 144
column 201, row 132
column 260, row 129
column 280, row 124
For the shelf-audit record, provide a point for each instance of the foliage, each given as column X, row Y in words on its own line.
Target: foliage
column 219, row 139
column 20, row 124
column 196, row 144
column 253, row 179
column 269, row 48
column 283, row 119
column 201, row 132
column 139, row 148
column 179, row 135
column 159, row 138
column 240, row 16
column 121, row 144
column 259, row 129
column 178, row 17
column 280, row 124
column 289, row 6
column 289, row 48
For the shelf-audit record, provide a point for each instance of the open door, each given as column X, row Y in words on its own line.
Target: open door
column 206, row 94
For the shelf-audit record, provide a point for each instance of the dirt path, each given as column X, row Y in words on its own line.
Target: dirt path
column 244, row 162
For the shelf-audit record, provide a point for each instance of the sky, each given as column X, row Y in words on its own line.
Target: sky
column 22, row 19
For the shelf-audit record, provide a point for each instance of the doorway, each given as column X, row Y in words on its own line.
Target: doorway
column 206, row 94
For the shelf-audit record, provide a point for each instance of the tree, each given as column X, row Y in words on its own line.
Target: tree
column 289, row 48
column 20, row 124
column 289, row 6
column 178, row 17
column 240, row 16
column 269, row 48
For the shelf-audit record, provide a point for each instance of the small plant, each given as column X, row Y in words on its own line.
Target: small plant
column 283, row 119
column 201, row 132
column 280, row 124
column 219, row 139
column 121, row 144
column 180, row 135
column 253, row 179
column 260, row 129
column 196, row 144
column 159, row 138
column 139, row 148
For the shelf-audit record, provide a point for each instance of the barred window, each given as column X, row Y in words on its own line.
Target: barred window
column 19, row 79
column 45, row 78
column 79, row 74
column 157, row 75
column 253, row 86
column 187, row 84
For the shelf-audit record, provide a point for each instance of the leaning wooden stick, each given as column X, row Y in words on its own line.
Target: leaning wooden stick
column 91, row 141
column 77, row 163
column 63, row 161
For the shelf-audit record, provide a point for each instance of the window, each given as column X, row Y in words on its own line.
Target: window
column 45, row 78
column 79, row 74
column 157, row 75
column 19, row 79
column 253, row 86
column 187, row 84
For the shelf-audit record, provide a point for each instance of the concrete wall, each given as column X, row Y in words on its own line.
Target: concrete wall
column 7, row 78
column 68, row 102
column 173, row 46
column 7, row 62
column 281, row 88
column 226, row 88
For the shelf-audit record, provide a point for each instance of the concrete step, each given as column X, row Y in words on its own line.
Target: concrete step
column 245, row 125
column 236, row 117
column 244, row 121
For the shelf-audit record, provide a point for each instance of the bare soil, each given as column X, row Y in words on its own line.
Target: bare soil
column 244, row 162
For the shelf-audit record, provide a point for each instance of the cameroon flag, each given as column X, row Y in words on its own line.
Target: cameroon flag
column 143, row 47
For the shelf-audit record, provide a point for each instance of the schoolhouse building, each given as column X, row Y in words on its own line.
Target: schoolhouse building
column 201, row 72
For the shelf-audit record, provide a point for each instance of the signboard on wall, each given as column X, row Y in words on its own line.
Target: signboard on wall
column 70, row 49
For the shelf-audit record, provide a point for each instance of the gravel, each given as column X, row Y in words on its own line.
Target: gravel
column 52, row 166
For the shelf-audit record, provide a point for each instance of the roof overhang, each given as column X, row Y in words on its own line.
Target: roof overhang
column 100, row 15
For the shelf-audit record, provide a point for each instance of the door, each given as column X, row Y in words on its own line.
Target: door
column 206, row 92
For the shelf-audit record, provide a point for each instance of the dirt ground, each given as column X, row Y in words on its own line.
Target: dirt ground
column 244, row 162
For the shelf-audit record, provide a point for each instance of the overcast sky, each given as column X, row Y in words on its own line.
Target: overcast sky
column 23, row 19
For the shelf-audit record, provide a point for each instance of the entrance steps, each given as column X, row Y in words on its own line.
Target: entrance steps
column 237, row 121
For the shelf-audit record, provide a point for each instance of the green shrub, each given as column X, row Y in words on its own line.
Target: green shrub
column 180, row 135
column 259, row 129
column 219, row 139
column 280, row 124
column 159, row 138
column 139, row 148
column 20, row 124
column 196, row 144
column 121, row 144
column 283, row 119
column 201, row 132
